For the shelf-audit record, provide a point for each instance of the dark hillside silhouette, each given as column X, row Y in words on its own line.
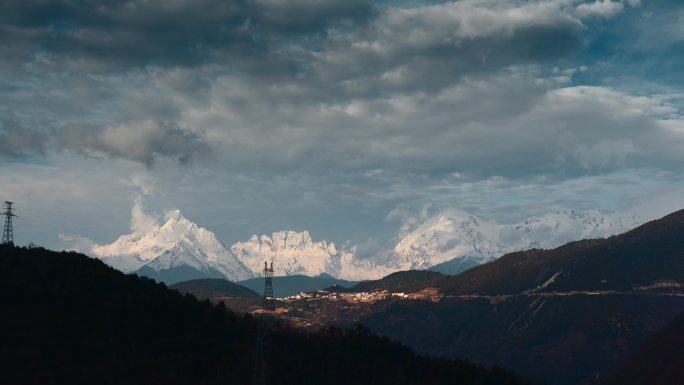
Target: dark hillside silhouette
column 71, row 319
column 284, row 286
column 412, row 280
column 214, row 288
column 659, row 361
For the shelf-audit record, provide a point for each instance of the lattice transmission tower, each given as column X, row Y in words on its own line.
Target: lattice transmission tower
column 269, row 307
column 268, row 287
column 8, row 233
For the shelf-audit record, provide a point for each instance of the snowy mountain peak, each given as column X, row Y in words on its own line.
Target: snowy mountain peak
column 450, row 238
column 174, row 216
column 292, row 252
column 178, row 242
column 451, row 235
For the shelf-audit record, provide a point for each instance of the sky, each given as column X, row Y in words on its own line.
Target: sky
column 346, row 118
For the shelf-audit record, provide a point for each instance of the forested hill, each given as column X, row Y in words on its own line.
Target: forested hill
column 71, row 319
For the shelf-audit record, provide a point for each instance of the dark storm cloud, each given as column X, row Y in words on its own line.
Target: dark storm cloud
column 428, row 48
column 421, row 88
column 120, row 34
column 298, row 17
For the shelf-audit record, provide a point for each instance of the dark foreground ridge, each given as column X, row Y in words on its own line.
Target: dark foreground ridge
column 71, row 319
column 658, row 361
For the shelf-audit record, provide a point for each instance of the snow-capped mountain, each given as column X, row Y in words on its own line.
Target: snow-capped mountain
column 175, row 244
column 295, row 253
column 180, row 250
column 449, row 242
column 453, row 241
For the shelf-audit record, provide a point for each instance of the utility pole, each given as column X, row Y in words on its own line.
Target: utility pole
column 8, row 233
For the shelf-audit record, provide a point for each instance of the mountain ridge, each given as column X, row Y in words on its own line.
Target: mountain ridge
column 620, row 262
column 541, row 270
column 449, row 242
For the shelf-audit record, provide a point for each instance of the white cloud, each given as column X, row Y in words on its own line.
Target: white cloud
column 77, row 243
column 394, row 215
column 146, row 183
column 599, row 8
column 141, row 221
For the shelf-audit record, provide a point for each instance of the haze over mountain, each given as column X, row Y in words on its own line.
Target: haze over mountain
column 449, row 242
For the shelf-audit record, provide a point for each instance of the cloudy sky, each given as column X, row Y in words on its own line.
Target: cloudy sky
column 341, row 117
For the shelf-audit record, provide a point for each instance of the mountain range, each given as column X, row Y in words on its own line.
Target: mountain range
column 449, row 242
column 453, row 241
column 566, row 316
column 561, row 316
